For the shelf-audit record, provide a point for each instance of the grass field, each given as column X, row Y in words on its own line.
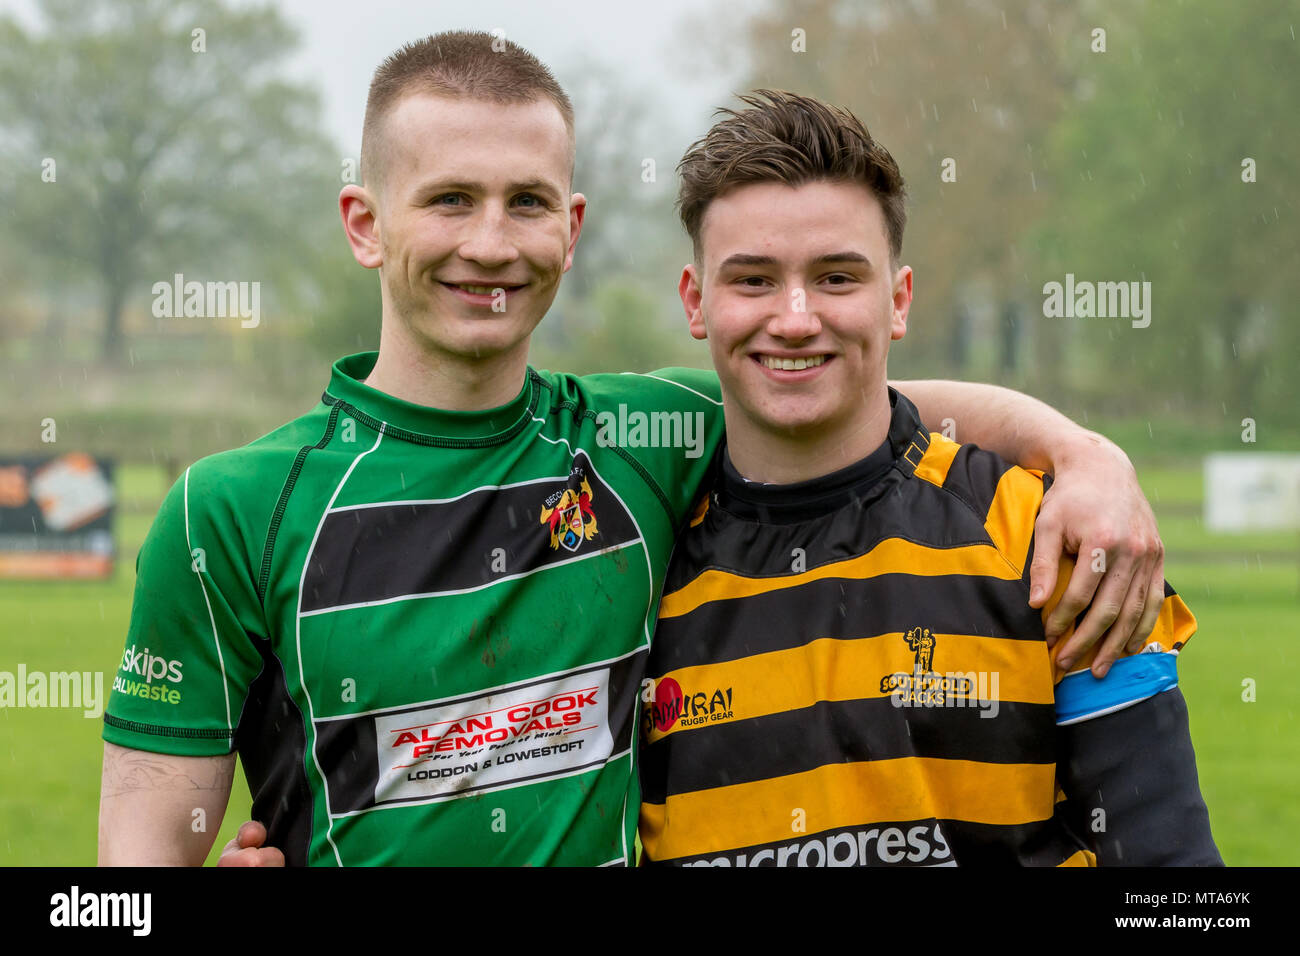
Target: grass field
column 1244, row 590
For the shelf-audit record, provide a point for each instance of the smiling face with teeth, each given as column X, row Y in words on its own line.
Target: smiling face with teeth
column 795, row 291
column 471, row 226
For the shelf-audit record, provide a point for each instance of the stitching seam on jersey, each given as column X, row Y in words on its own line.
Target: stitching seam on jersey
column 159, row 730
column 416, row 438
column 988, row 538
column 264, row 576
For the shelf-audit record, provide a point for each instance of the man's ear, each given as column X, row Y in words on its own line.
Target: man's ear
column 577, row 215
column 689, row 287
column 901, row 304
column 359, row 210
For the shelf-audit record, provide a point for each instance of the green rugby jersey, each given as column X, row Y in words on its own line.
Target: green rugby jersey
column 423, row 631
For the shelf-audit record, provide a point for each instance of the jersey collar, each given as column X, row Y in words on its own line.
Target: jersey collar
column 422, row 423
column 807, row 500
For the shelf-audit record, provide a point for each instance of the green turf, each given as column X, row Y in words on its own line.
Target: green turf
column 1248, row 752
column 51, row 759
column 1166, row 485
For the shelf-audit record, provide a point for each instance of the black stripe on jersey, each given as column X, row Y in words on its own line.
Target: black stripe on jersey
column 347, row 750
column 927, row 842
column 973, row 477
column 1047, row 842
column 894, row 507
column 383, row 551
column 845, row 731
column 847, row 609
column 272, row 744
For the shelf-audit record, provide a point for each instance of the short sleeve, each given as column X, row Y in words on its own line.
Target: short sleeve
column 189, row 656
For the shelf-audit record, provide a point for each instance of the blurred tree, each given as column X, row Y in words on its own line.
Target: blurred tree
column 971, row 88
column 627, row 180
column 620, row 328
column 344, row 317
column 176, row 148
column 617, row 309
column 1150, row 177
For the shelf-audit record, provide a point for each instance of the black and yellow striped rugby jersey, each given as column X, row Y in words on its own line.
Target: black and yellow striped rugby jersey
column 847, row 671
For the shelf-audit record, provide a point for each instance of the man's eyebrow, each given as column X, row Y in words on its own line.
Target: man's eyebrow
column 742, row 259
column 846, row 256
column 746, row 259
column 451, row 185
column 534, row 185
column 469, row 186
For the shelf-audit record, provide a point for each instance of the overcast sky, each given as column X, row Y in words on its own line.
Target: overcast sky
column 342, row 49
column 344, row 40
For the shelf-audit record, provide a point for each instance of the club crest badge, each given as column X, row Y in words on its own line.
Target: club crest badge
column 569, row 516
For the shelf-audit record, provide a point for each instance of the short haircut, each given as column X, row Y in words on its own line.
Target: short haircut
column 787, row 138
column 458, row 63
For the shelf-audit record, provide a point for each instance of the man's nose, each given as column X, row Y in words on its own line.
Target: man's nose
column 794, row 320
column 488, row 241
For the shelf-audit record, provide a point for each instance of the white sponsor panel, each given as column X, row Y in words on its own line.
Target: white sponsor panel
column 1252, row 490
column 71, row 492
column 494, row 741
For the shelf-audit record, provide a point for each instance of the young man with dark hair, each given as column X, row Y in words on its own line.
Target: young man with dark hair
column 846, row 667
column 421, row 612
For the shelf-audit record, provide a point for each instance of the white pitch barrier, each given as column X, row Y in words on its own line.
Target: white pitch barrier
column 1252, row 491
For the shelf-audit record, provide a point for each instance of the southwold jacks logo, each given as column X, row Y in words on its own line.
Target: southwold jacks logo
column 923, row 687
column 921, row 641
column 569, row 516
